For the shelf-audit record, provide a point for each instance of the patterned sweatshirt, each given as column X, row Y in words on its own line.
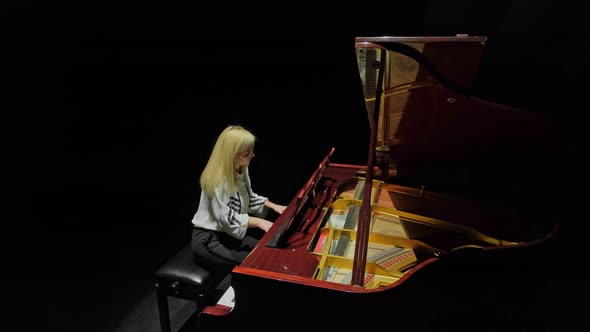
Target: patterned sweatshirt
column 228, row 211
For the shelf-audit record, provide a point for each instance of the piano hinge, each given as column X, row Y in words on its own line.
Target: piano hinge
column 422, row 191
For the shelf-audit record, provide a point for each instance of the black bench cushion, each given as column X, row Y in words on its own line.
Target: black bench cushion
column 183, row 268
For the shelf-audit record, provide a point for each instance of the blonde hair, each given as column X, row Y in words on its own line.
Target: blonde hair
column 220, row 167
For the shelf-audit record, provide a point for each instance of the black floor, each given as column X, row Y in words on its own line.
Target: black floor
column 122, row 299
column 144, row 316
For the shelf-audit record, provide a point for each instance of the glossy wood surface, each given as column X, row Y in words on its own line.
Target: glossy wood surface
column 294, row 258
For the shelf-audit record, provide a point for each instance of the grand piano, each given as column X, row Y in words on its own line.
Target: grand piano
column 442, row 228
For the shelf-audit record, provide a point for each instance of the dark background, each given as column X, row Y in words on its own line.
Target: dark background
column 110, row 109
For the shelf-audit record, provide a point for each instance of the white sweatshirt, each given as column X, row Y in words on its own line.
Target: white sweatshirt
column 228, row 211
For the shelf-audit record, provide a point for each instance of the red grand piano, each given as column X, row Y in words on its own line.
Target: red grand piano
column 390, row 244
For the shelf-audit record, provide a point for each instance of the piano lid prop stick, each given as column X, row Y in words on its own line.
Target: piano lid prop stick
column 364, row 221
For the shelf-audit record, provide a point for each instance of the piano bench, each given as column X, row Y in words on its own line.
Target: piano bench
column 181, row 277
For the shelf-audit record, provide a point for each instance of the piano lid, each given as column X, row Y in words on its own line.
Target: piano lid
column 417, row 92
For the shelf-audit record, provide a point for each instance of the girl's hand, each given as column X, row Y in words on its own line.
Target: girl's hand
column 279, row 208
column 275, row 207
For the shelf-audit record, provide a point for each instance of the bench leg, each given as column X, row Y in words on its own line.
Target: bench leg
column 162, row 295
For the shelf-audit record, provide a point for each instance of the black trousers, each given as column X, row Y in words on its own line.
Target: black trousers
column 220, row 252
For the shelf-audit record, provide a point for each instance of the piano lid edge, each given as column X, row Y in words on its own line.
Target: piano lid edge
column 421, row 39
column 316, row 283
